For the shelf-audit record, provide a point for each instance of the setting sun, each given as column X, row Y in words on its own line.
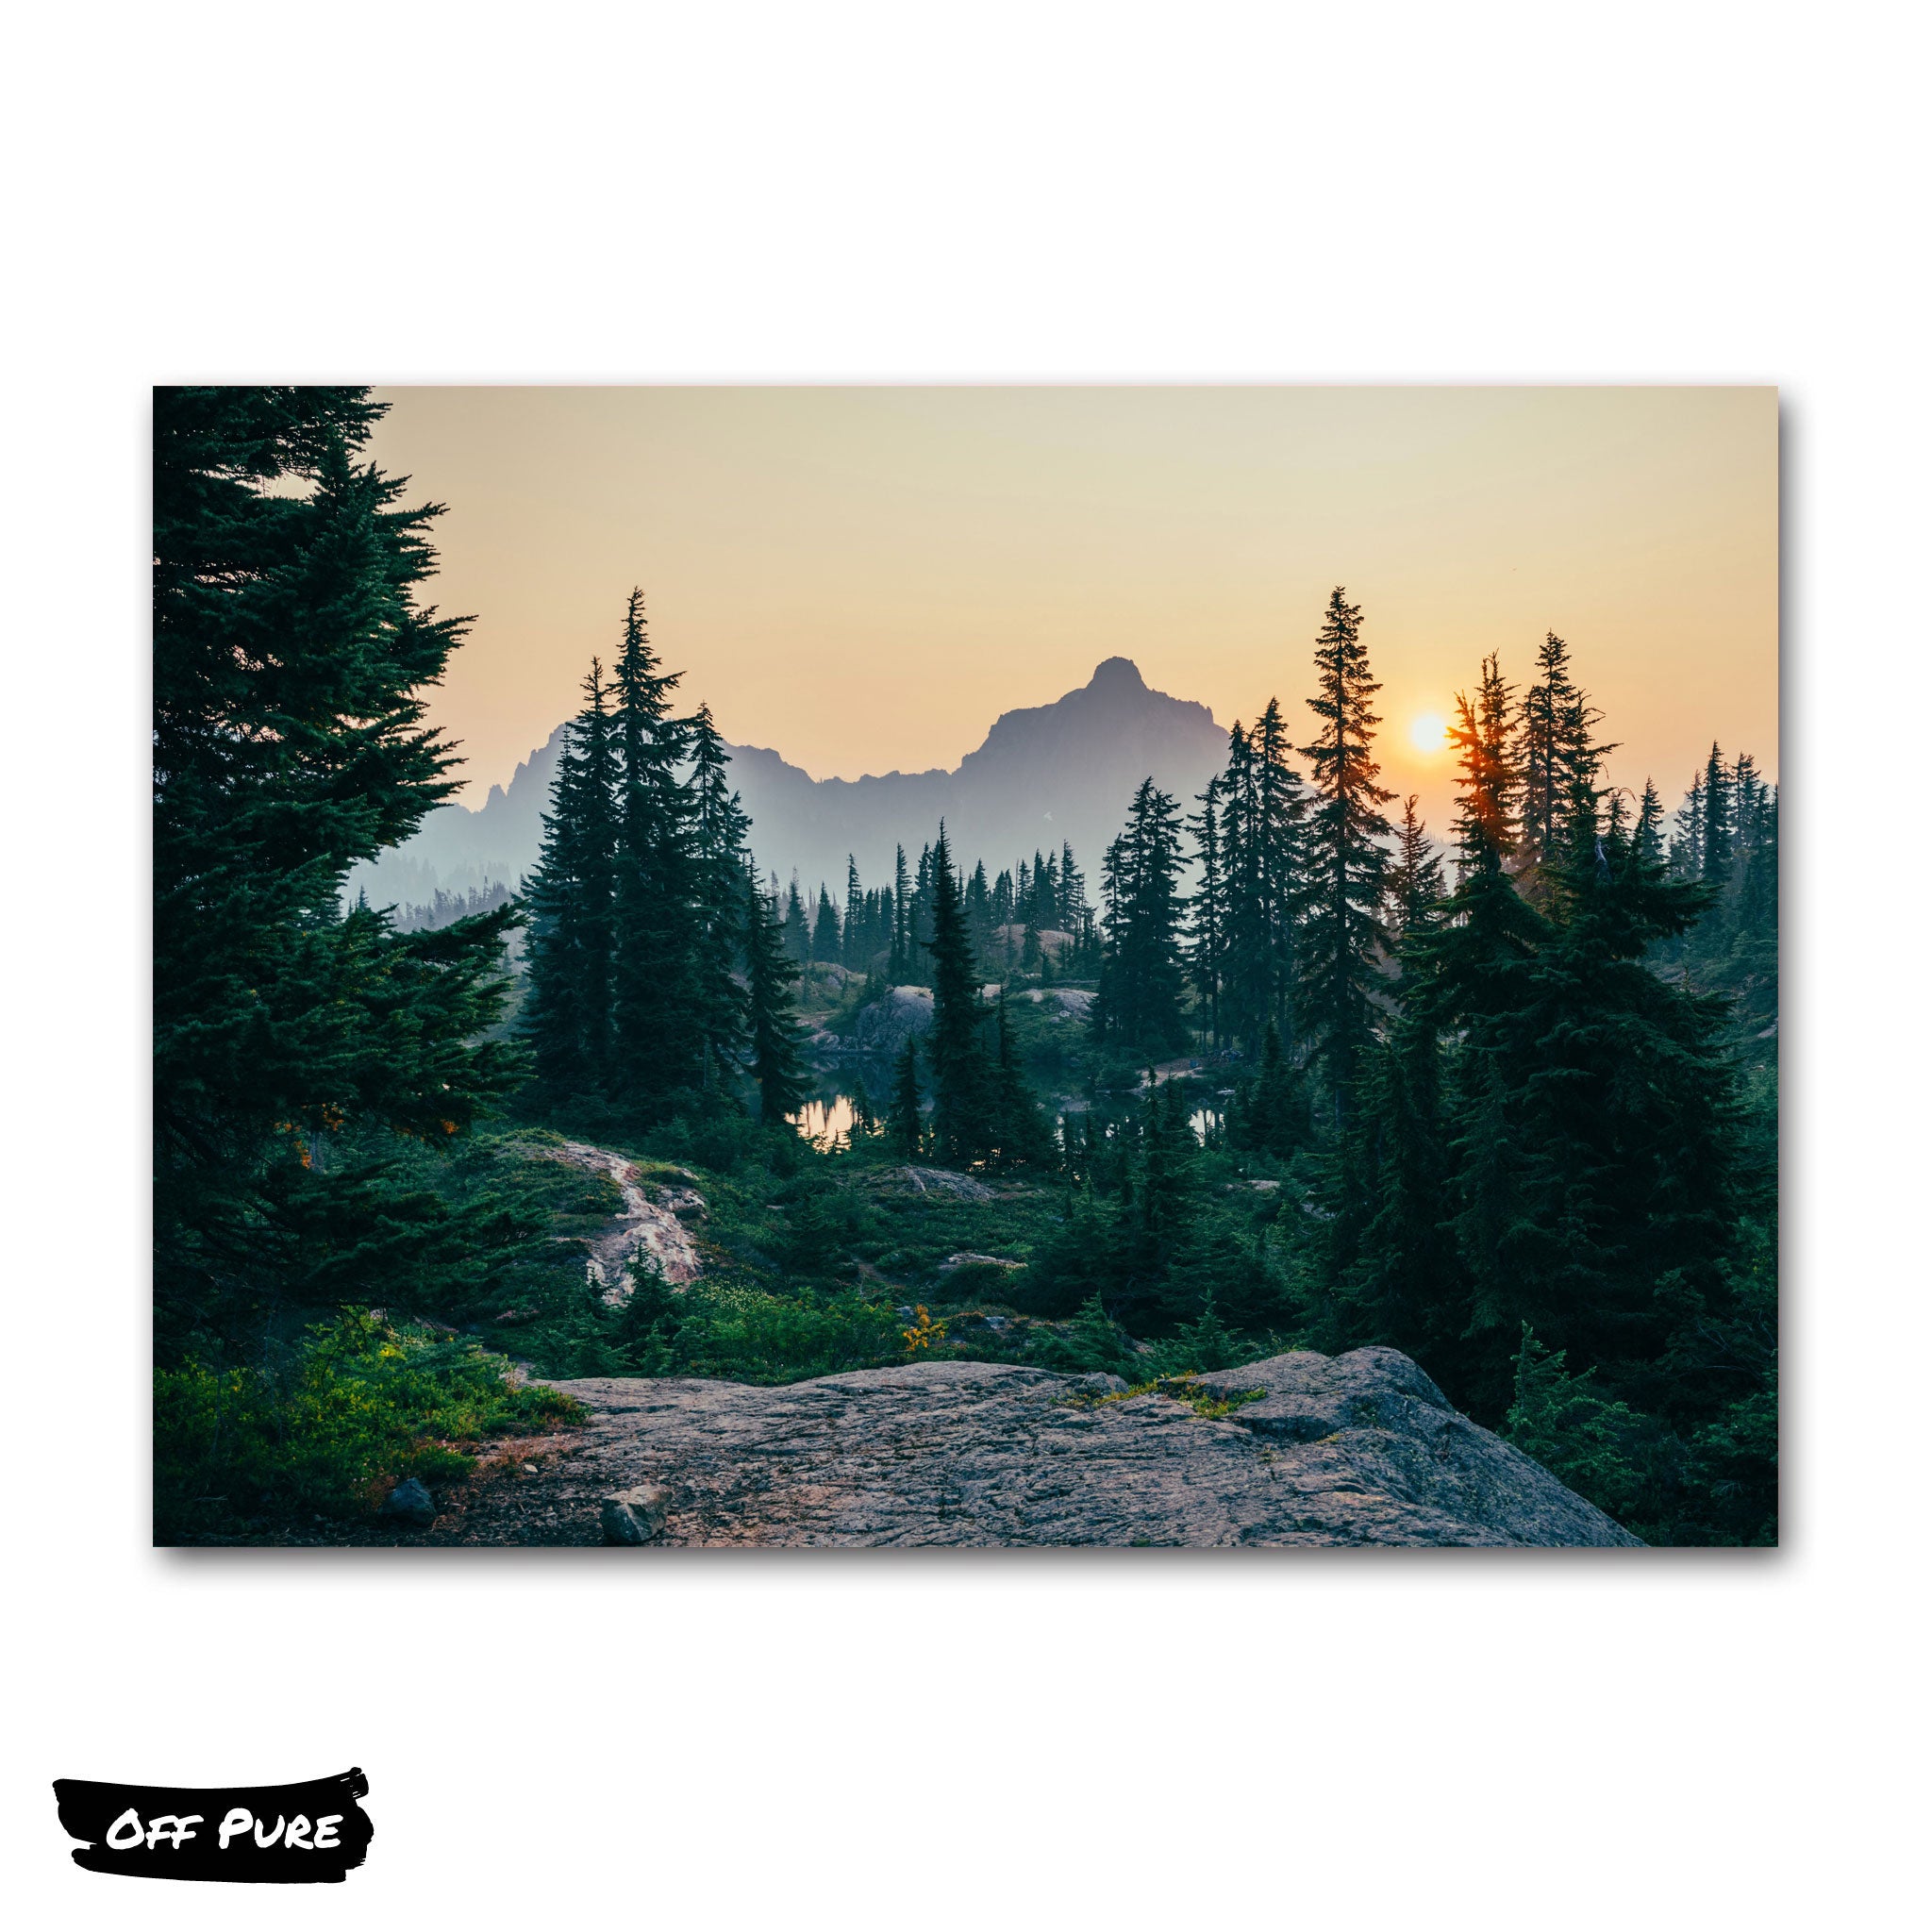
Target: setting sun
column 1429, row 732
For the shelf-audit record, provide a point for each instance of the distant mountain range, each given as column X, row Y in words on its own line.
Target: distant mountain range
column 1059, row 771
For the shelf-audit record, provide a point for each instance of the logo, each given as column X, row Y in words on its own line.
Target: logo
column 303, row 1834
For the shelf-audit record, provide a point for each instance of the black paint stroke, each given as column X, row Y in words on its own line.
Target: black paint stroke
column 96, row 1812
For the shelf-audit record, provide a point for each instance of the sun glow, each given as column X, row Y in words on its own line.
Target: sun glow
column 1428, row 733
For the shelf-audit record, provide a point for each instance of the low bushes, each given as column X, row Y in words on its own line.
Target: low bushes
column 354, row 1407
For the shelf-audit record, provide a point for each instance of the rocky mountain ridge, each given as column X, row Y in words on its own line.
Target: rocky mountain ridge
column 1045, row 774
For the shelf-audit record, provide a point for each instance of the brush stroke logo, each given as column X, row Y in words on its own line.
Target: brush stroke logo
column 302, row 1833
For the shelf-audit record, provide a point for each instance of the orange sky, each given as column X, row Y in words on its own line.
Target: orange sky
column 864, row 578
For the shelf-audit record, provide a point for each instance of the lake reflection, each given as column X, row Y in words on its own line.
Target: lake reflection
column 826, row 1124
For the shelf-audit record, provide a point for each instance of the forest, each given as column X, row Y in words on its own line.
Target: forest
column 1300, row 1076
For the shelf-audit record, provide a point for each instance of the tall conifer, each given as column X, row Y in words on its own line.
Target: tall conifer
column 658, row 1045
column 963, row 1101
column 1342, row 929
column 777, row 1061
column 1138, row 1007
column 570, row 963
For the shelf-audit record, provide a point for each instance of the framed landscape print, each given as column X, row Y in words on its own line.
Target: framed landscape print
column 969, row 966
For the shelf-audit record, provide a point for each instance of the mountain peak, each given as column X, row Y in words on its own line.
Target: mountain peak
column 1048, row 773
column 1117, row 673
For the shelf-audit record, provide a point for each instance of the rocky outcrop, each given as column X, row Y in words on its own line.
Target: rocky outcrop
column 1298, row 1450
column 644, row 1229
column 900, row 1014
column 938, row 1180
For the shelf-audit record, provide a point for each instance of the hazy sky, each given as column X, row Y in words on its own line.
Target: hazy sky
column 864, row 578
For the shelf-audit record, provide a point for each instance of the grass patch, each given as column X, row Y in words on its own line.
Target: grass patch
column 1185, row 1390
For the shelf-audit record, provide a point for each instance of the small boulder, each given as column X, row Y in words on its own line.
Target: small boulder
column 635, row 1515
column 1099, row 1384
column 409, row 1505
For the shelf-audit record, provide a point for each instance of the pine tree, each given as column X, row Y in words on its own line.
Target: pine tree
column 1719, row 827
column 658, row 1045
column 719, row 828
column 778, row 1063
column 570, row 965
column 1207, row 927
column 1468, row 977
column 1342, row 930
column 290, row 657
column 826, row 941
column 858, row 953
column 1402, row 1274
column 905, row 1121
column 1554, row 755
column 1686, row 848
column 1415, row 884
column 1021, row 1134
column 1648, row 838
column 1076, row 916
column 1271, row 1113
column 963, row 1103
column 796, row 929
column 900, row 968
column 1138, row 1007
column 1158, row 1211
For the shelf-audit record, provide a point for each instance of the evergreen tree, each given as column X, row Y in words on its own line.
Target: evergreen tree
column 1076, row 916
column 796, row 928
column 1138, row 1007
column 979, row 909
column 905, row 1122
column 1718, row 827
column 569, row 966
column 290, row 662
column 777, row 1061
column 1648, row 838
column 963, row 1086
column 658, row 1046
column 900, row 968
column 1401, row 1273
column 1554, row 755
column 1271, row 1112
column 1208, row 931
column 858, row 953
column 1021, row 1134
column 826, row 941
column 1415, row 882
column 720, row 861
column 1686, row 848
column 1342, row 930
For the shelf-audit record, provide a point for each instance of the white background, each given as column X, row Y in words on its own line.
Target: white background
column 395, row 192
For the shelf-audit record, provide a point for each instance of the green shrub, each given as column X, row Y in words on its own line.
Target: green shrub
column 1603, row 1450
column 1094, row 1343
column 975, row 1283
column 357, row 1407
column 743, row 1335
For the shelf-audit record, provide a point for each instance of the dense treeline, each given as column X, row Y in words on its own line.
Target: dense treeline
column 446, row 908
column 1524, row 1119
column 1032, row 918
